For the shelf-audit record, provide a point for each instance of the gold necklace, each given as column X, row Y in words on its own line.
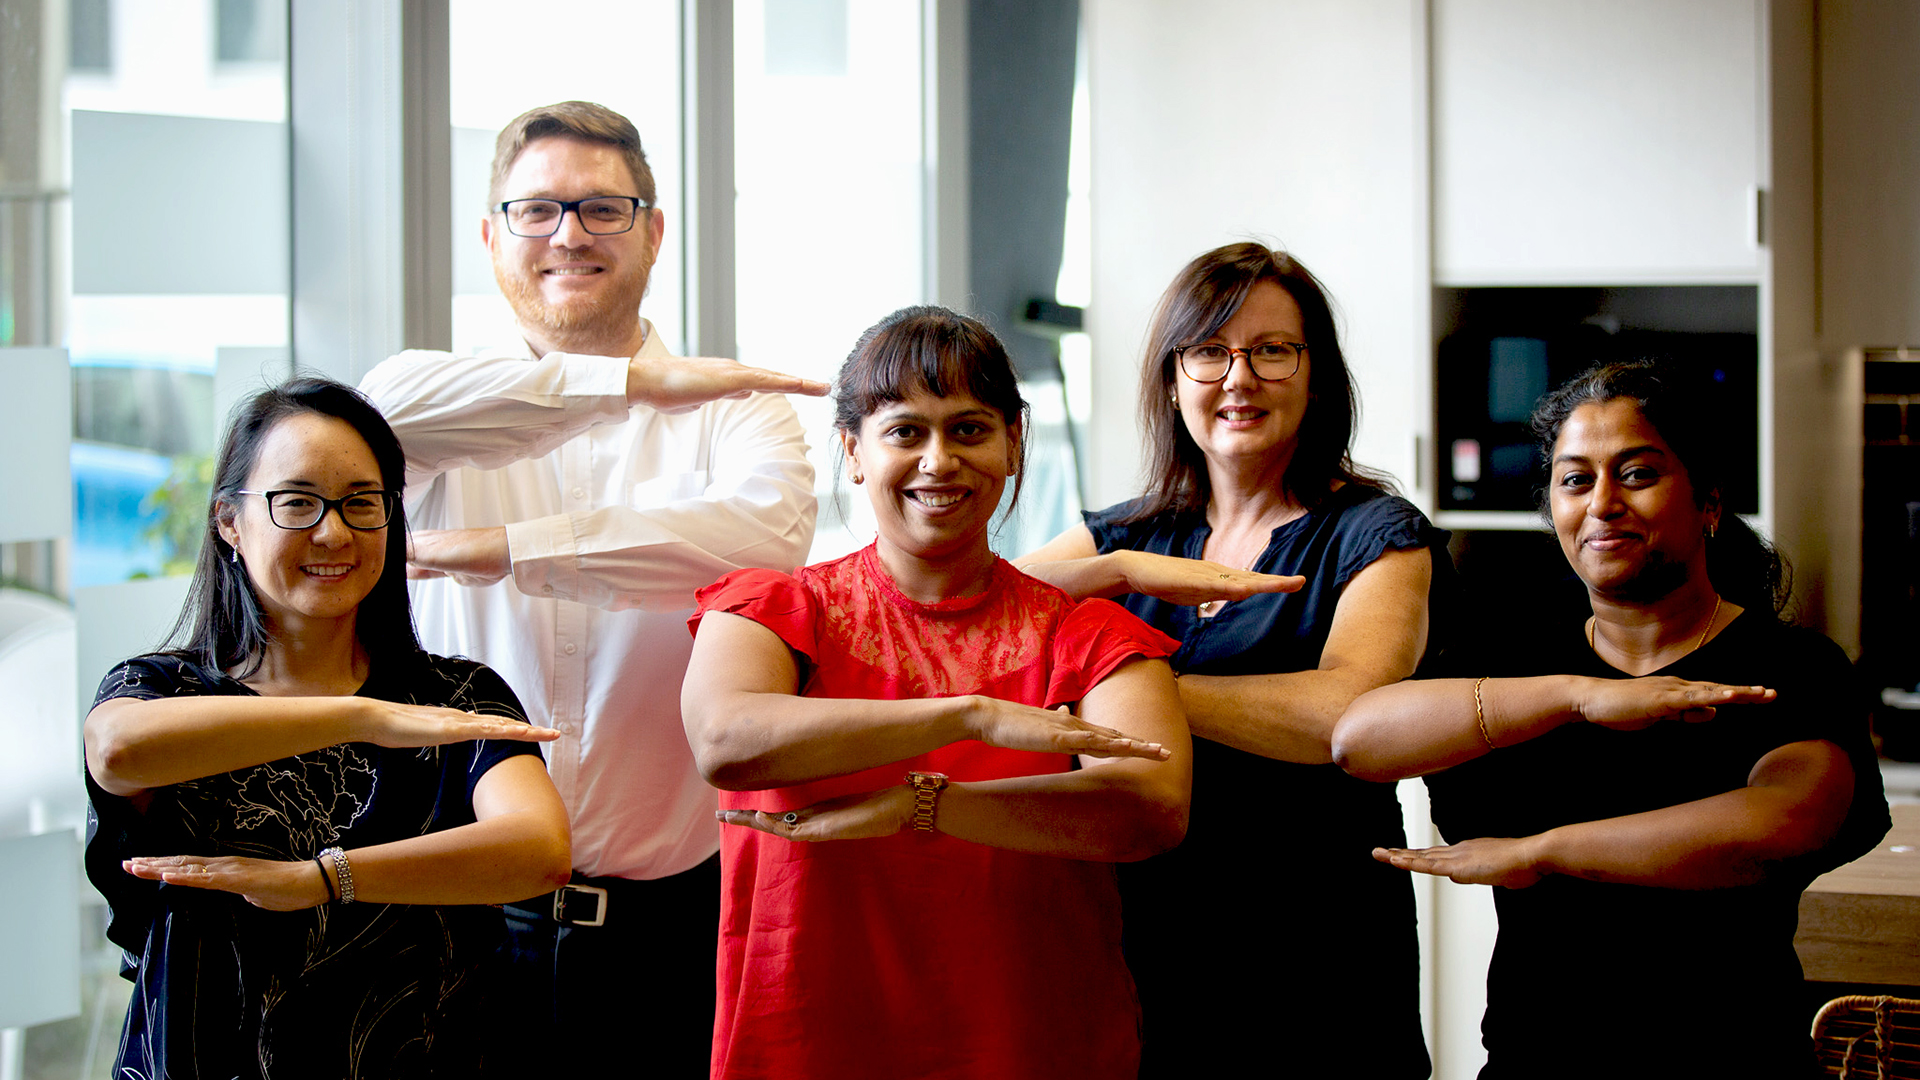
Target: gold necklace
column 1592, row 620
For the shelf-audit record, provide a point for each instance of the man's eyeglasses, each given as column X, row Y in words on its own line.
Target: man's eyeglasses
column 602, row 215
column 295, row 510
column 1272, row 361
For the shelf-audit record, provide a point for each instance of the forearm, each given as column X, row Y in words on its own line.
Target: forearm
column 749, row 504
column 656, row 558
column 508, row 857
column 487, row 412
column 1115, row 812
column 1286, row 717
column 1719, row 842
column 751, row 741
column 132, row 745
column 1083, row 578
column 1419, row 727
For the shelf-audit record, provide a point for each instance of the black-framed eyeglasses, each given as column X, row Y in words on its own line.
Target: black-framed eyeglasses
column 1272, row 361
column 293, row 509
column 602, row 215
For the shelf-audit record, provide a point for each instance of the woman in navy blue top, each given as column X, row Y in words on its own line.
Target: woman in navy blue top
column 1276, row 943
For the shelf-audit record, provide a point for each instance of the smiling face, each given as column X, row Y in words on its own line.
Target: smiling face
column 574, row 284
column 1242, row 421
column 1623, row 505
column 934, row 468
column 318, row 573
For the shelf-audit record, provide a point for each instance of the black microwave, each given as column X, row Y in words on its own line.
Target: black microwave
column 1501, row 349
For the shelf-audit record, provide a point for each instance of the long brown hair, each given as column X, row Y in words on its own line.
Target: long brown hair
column 1205, row 294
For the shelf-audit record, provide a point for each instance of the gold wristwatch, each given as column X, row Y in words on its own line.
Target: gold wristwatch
column 927, row 787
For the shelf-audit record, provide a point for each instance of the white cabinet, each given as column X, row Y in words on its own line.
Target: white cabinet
column 1298, row 122
column 1596, row 143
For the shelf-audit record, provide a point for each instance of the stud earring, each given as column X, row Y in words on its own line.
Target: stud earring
column 857, row 478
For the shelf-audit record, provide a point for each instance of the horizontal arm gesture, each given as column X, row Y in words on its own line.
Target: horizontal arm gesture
column 674, row 384
column 1116, row 809
column 133, row 744
column 750, row 730
column 471, row 557
column 1072, row 563
column 1416, row 728
column 1795, row 800
column 517, row 847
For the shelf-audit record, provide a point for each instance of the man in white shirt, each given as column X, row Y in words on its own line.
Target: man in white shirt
column 567, row 495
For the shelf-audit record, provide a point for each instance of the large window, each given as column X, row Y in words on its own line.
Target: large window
column 831, row 170
column 630, row 62
column 179, row 250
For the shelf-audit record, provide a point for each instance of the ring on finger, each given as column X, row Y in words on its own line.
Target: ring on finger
column 791, row 817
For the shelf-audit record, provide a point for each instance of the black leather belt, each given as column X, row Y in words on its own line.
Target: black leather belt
column 570, row 905
column 586, row 901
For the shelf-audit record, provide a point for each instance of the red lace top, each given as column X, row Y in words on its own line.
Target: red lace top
column 919, row 955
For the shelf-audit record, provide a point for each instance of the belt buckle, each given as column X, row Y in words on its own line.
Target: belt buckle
column 560, row 905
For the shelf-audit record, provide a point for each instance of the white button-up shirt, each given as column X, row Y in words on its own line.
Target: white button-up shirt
column 614, row 516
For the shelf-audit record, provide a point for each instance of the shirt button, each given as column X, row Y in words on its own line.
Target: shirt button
column 566, row 729
column 579, row 493
column 547, row 590
column 572, row 648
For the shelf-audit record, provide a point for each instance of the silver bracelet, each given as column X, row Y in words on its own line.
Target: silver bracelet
column 343, row 871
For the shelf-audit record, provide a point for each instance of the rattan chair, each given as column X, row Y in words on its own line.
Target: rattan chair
column 1868, row 1038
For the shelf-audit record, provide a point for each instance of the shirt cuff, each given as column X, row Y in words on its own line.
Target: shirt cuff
column 596, row 376
column 544, row 557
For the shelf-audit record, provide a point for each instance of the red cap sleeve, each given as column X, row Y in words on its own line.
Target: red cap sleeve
column 773, row 599
column 1096, row 637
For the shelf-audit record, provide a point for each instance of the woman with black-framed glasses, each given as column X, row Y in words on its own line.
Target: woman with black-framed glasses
column 297, row 814
column 1294, row 581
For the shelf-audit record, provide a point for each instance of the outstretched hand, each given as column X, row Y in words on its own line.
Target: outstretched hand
column 396, row 724
column 273, row 884
column 468, row 556
column 675, row 384
column 1483, row 861
column 1190, row 582
column 849, row 817
column 1011, row 726
column 1632, row 704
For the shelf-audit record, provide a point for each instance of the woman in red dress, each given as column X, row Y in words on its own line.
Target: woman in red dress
column 930, row 760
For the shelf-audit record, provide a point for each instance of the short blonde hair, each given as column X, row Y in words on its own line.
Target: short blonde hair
column 575, row 120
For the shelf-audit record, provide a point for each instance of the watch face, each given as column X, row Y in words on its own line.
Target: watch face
column 927, row 781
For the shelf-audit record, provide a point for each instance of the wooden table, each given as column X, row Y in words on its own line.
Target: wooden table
column 1861, row 923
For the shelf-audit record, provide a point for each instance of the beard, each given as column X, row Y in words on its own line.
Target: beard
column 606, row 313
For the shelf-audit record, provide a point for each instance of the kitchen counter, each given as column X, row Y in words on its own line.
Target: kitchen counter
column 1861, row 922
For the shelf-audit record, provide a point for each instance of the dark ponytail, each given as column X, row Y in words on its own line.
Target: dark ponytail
column 1741, row 564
